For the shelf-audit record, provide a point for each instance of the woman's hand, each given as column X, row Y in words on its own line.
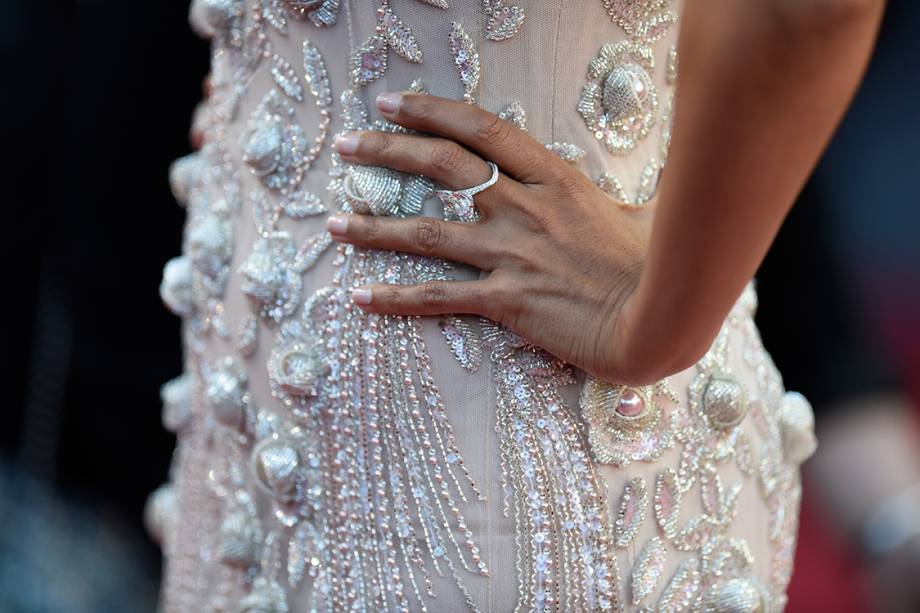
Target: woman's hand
column 563, row 260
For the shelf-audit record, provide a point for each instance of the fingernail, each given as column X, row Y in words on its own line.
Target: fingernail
column 337, row 224
column 388, row 103
column 346, row 143
column 361, row 295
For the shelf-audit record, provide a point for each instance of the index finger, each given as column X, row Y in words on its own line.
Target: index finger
column 517, row 153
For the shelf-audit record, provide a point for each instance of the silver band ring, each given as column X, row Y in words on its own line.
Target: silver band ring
column 459, row 203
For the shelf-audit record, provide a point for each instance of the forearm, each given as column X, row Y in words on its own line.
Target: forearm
column 762, row 85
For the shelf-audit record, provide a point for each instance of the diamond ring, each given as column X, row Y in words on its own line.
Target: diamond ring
column 459, row 203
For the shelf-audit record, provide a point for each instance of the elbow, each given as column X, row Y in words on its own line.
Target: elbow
column 803, row 20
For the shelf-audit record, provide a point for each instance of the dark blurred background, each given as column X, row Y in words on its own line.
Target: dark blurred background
column 97, row 101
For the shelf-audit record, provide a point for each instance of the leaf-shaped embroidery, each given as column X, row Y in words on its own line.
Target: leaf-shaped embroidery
column 504, row 21
column 728, row 509
column 612, row 186
column 667, row 502
column 500, row 339
column 690, row 458
column 316, row 75
column 464, row 342
column 515, row 113
column 262, row 211
column 286, row 78
column 441, row 4
column 369, row 61
column 417, row 86
column 400, row 37
column 466, row 58
column 726, row 557
column 322, row 15
column 648, row 182
column 273, row 13
column 255, row 46
column 670, row 72
column 648, row 19
column 296, row 560
column 711, row 490
column 354, row 111
column 569, row 152
column 697, row 531
column 744, row 455
column 631, row 512
column 648, row 568
column 683, row 588
column 247, row 335
column 310, row 250
column 302, row 553
column 303, row 204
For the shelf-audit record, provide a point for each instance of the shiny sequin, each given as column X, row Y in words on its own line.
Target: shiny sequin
column 466, row 58
column 346, row 488
column 464, row 341
column 632, row 199
column 503, row 21
column 645, row 19
column 514, row 113
column 620, row 101
column 320, row 12
column 569, row 152
column 648, row 569
column 631, row 512
column 620, row 438
column 369, row 61
column 683, row 588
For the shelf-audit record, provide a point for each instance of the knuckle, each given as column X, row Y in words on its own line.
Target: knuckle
column 380, row 144
column 428, row 235
column 446, row 158
column 507, row 255
column 540, row 217
column 509, row 311
column 392, row 296
column 489, row 303
column 570, row 184
column 520, row 258
column 434, row 295
column 503, row 301
column 416, row 105
column 492, row 129
column 368, row 227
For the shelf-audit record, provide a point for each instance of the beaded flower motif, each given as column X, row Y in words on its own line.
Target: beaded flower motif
column 629, row 424
column 619, row 101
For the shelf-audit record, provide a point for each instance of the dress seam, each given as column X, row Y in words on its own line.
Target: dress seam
column 552, row 121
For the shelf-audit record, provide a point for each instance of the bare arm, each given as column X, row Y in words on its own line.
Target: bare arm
column 762, row 86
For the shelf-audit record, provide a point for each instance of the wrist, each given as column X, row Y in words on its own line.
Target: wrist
column 652, row 342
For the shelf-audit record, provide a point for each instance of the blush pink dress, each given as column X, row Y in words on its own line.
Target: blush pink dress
column 329, row 460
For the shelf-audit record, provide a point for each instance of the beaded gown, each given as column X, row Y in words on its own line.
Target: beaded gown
column 329, row 460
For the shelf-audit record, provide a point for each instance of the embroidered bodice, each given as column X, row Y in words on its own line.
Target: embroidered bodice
column 331, row 460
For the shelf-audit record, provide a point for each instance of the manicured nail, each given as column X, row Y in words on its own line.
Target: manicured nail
column 388, row 103
column 346, row 143
column 361, row 295
column 337, row 224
